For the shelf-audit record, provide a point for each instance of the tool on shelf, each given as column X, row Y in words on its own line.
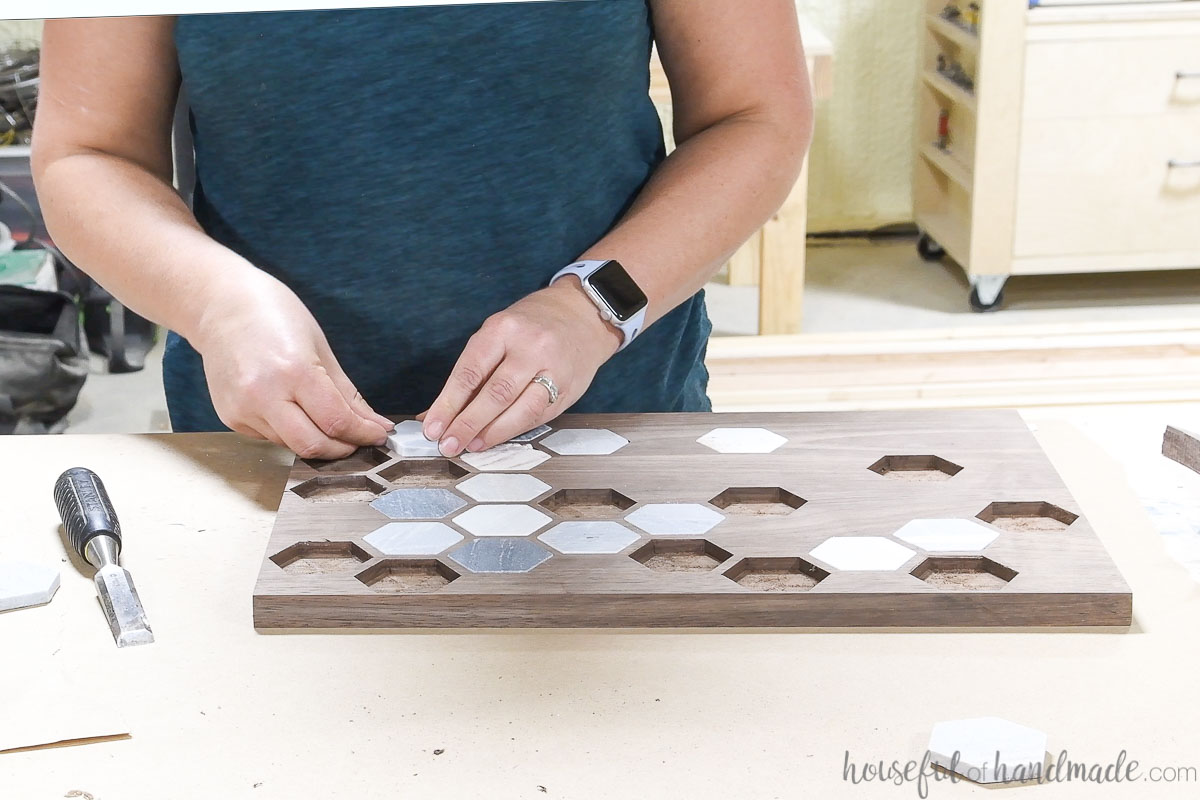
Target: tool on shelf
column 95, row 533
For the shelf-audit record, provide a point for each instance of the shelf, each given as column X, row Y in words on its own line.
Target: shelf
column 949, row 166
column 946, row 230
column 948, row 30
column 949, row 90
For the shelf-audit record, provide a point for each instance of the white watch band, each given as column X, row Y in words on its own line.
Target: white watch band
column 583, row 270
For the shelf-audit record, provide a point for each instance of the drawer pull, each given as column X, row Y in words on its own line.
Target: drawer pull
column 1176, row 163
column 1183, row 76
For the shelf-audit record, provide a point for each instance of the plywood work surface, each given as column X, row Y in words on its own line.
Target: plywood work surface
column 681, row 526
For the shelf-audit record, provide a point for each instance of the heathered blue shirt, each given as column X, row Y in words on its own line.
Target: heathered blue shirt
column 410, row 171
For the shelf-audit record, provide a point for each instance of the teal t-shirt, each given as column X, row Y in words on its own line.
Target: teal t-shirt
column 410, row 171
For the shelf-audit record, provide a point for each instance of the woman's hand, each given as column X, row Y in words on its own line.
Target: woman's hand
column 490, row 398
column 272, row 375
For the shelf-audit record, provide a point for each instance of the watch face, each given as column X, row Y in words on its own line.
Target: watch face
column 618, row 290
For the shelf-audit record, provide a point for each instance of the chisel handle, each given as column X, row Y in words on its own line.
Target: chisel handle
column 85, row 508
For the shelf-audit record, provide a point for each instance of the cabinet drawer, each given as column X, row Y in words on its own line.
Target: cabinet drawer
column 1116, row 77
column 1091, row 186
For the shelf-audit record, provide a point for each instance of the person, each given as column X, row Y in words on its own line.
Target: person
column 383, row 196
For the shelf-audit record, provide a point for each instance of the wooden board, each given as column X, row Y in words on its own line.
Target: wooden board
column 840, row 476
column 1182, row 447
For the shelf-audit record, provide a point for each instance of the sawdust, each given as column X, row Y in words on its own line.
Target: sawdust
column 964, row 580
column 342, row 496
column 917, row 475
column 777, row 581
column 336, row 565
column 410, row 581
column 758, row 509
column 1029, row 524
column 681, row 562
column 586, row 510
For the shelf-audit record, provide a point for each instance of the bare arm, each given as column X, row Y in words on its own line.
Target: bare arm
column 102, row 164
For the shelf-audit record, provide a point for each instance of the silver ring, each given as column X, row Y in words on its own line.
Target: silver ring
column 542, row 380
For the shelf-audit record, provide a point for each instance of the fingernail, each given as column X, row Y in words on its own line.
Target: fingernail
column 450, row 447
column 434, row 429
column 475, row 446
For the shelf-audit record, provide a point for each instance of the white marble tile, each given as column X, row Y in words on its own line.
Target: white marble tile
column 530, row 435
column 742, row 440
column 970, row 747
column 584, row 442
column 407, row 441
column 589, row 537
column 505, row 458
column 862, row 553
column 418, row 503
column 23, row 585
column 501, row 520
column 500, row 555
column 413, row 538
column 947, row 535
column 666, row 519
column 501, row 488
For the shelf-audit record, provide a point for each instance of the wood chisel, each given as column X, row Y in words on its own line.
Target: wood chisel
column 93, row 530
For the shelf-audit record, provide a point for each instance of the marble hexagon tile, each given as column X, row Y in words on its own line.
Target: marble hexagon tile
column 503, row 487
column 742, row 440
column 413, row 538
column 407, row 441
column 584, row 442
column 862, row 553
column 505, row 458
column 501, row 520
column 969, row 747
column 499, row 555
column 946, row 535
column 589, row 537
column 418, row 503
column 665, row 519
column 23, row 585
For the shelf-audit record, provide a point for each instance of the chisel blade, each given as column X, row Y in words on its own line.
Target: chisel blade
column 122, row 606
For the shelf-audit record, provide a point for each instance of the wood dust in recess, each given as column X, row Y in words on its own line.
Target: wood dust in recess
column 969, row 580
column 777, row 581
column 681, row 562
column 917, row 475
column 343, row 496
column 323, row 566
column 1029, row 524
column 586, row 511
column 413, row 581
column 758, row 509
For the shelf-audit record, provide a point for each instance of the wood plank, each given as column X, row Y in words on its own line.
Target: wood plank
column 1183, row 447
column 784, row 254
column 758, row 555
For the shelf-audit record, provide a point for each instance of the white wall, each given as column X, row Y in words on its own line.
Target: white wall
column 19, row 30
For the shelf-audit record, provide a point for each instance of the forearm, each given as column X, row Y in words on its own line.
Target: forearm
column 130, row 230
column 713, row 192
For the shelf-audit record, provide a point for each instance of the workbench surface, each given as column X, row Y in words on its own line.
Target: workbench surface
column 215, row 709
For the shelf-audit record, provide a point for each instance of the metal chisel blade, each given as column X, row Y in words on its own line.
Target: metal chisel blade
column 122, row 606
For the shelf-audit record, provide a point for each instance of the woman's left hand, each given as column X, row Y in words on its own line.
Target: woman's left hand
column 490, row 396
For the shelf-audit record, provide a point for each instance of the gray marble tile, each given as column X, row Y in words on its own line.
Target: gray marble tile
column 947, row 535
column 589, row 537
column 529, row 436
column 500, row 555
column 862, row 553
column 23, row 584
column 413, row 538
column 584, row 442
column 505, row 458
column 742, row 440
column 501, row 520
column 418, row 503
column 502, row 487
column 665, row 519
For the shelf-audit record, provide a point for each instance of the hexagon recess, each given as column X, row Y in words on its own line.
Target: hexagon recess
column 665, row 519
column 503, row 487
column 776, row 574
column 416, row 576
column 946, row 535
column 361, row 460
column 1038, row 516
column 589, row 537
column 320, row 558
column 857, row 553
column 971, row 574
column 584, row 442
column 418, row 503
column 506, row 457
column 680, row 555
column 337, row 489
column 758, row 501
column 742, row 440
column 422, row 473
column 501, row 520
column 587, row 503
column 916, row 468
column 500, row 555
column 413, row 538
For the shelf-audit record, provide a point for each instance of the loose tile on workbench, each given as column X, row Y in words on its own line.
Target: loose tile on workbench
column 589, row 537
column 854, row 553
column 742, row 440
column 418, row 503
column 969, row 747
column 501, row 520
column 529, row 436
column 584, row 442
column 946, row 535
column 503, row 487
column 23, row 585
column 505, row 457
column 413, row 538
column 500, row 555
column 665, row 519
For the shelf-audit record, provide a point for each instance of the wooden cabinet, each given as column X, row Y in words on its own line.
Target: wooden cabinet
column 1077, row 149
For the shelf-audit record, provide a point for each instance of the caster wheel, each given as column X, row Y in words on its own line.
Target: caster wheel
column 982, row 308
column 928, row 249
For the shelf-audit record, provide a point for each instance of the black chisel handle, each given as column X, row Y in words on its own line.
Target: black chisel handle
column 85, row 508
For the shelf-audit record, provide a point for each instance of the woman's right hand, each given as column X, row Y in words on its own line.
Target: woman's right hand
column 272, row 375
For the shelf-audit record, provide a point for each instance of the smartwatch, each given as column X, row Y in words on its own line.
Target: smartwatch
column 620, row 300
